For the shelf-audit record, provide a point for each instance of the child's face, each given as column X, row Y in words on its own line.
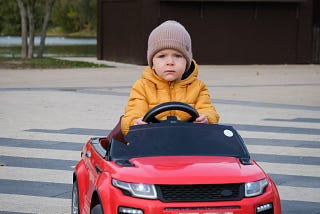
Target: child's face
column 169, row 64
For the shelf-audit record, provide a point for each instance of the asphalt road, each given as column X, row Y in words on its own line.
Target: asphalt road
column 47, row 115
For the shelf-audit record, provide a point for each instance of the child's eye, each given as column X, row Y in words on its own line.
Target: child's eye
column 178, row 55
column 161, row 56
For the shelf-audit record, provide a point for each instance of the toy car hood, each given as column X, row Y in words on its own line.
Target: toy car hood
column 187, row 169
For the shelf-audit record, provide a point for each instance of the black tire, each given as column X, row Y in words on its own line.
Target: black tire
column 97, row 209
column 75, row 209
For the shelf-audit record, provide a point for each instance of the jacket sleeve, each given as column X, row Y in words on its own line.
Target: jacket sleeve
column 136, row 107
column 204, row 105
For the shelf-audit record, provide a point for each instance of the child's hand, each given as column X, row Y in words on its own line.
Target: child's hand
column 201, row 119
column 139, row 121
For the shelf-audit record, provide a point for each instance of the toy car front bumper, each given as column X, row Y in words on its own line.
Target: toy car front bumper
column 263, row 204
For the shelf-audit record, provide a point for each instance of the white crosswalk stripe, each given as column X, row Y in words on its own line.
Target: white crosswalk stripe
column 280, row 136
column 284, row 150
column 291, row 169
column 37, row 175
column 40, row 153
column 299, row 193
column 34, row 204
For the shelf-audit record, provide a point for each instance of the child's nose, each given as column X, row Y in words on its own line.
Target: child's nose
column 170, row 60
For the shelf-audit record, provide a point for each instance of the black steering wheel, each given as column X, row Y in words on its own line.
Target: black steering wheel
column 150, row 116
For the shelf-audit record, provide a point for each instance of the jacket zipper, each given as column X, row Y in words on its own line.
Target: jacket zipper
column 171, row 86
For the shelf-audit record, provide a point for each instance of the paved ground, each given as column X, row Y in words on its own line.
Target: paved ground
column 47, row 115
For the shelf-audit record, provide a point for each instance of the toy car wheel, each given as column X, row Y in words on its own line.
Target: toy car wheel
column 97, row 209
column 75, row 199
column 150, row 116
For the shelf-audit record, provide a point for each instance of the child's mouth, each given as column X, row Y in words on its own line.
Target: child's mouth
column 169, row 71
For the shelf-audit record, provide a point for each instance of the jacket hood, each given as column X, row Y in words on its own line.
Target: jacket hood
column 190, row 75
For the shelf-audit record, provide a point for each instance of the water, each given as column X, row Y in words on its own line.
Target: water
column 51, row 40
column 10, row 46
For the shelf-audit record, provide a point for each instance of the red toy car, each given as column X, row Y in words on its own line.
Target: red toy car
column 172, row 167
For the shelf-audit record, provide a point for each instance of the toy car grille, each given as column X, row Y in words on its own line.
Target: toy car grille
column 208, row 192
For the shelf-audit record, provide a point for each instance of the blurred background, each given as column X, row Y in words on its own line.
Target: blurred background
column 72, row 28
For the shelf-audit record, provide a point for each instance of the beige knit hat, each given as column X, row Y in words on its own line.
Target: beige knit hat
column 172, row 35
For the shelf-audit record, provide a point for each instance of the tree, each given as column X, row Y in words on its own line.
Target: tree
column 30, row 12
column 75, row 15
column 24, row 28
column 67, row 17
column 45, row 24
column 9, row 18
column 27, row 14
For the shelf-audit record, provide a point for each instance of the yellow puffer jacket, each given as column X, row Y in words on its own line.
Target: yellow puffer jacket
column 151, row 90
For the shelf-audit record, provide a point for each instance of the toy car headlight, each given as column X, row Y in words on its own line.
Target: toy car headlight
column 255, row 188
column 137, row 189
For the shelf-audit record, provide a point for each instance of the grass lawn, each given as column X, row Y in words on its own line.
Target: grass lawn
column 43, row 63
column 10, row 57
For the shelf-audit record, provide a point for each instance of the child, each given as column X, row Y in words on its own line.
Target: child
column 170, row 76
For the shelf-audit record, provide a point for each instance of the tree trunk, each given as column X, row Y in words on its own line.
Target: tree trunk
column 30, row 11
column 24, row 29
column 45, row 24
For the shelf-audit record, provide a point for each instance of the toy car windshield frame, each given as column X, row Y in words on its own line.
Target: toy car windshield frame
column 180, row 139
